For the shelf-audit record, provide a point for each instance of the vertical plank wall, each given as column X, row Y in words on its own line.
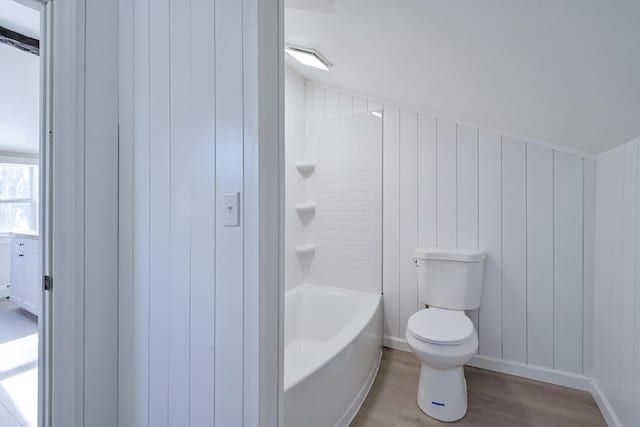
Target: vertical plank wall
column 180, row 298
column 527, row 205
column 616, row 364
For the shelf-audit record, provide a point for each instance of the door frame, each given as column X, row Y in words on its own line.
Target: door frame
column 80, row 214
column 45, row 10
column 263, row 63
column 44, row 164
column 45, row 155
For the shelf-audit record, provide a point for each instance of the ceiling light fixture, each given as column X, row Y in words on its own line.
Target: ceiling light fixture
column 309, row 57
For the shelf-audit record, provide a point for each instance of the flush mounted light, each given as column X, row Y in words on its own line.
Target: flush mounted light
column 376, row 113
column 310, row 57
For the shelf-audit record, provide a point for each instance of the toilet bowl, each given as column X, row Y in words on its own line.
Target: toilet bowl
column 442, row 337
column 443, row 340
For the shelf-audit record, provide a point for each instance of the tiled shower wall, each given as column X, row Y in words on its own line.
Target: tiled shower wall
column 345, row 227
column 298, row 188
column 349, row 194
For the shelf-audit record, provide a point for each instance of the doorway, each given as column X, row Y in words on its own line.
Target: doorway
column 24, row 128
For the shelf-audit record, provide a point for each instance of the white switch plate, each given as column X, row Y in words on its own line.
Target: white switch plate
column 232, row 210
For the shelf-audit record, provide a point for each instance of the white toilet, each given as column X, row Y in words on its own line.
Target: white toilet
column 442, row 336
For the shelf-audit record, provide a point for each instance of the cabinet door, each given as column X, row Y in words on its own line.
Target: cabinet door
column 32, row 284
column 18, row 270
column 25, row 274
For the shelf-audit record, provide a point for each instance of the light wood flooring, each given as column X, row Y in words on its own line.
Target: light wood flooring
column 494, row 400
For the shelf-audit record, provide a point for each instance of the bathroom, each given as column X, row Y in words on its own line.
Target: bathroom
column 321, row 213
column 389, row 169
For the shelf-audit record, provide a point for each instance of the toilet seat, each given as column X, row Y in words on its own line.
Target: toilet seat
column 440, row 326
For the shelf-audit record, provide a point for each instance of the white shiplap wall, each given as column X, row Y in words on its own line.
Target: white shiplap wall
column 182, row 147
column 528, row 205
column 616, row 364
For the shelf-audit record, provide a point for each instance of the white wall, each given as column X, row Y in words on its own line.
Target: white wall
column 294, row 96
column 188, row 121
column 298, row 188
column 345, row 144
column 529, row 206
column 82, row 375
column 349, row 197
column 20, row 102
column 19, row 116
column 616, row 372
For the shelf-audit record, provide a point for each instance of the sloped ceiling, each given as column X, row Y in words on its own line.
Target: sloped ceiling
column 20, row 18
column 565, row 72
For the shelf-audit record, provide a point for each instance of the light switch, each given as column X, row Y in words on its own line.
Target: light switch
column 232, row 210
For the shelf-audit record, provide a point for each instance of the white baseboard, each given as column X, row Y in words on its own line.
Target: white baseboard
column 396, row 343
column 604, row 405
column 538, row 373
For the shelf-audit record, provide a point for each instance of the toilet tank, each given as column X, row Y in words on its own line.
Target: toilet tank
column 450, row 277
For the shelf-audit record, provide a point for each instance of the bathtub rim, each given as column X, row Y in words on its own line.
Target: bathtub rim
column 334, row 351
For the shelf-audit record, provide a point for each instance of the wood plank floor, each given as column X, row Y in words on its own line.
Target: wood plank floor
column 494, row 400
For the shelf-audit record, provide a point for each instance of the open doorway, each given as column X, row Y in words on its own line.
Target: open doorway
column 22, row 120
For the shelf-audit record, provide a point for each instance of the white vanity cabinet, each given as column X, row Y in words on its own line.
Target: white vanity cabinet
column 26, row 288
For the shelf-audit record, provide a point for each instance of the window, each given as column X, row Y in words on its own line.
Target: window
column 18, row 197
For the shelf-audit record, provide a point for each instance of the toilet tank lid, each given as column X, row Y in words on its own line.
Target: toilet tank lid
column 450, row 254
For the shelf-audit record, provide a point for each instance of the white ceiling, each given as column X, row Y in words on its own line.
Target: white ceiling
column 565, row 72
column 20, row 18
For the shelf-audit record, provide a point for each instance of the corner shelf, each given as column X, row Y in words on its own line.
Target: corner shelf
column 305, row 249
column 303, row 208
column 305, row 167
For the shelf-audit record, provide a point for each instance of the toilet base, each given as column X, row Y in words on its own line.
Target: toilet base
column 442, row 393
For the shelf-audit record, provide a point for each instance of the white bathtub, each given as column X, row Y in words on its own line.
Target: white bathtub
column 333, row 343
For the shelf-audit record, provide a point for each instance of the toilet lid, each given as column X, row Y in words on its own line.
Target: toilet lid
column 440, row 326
